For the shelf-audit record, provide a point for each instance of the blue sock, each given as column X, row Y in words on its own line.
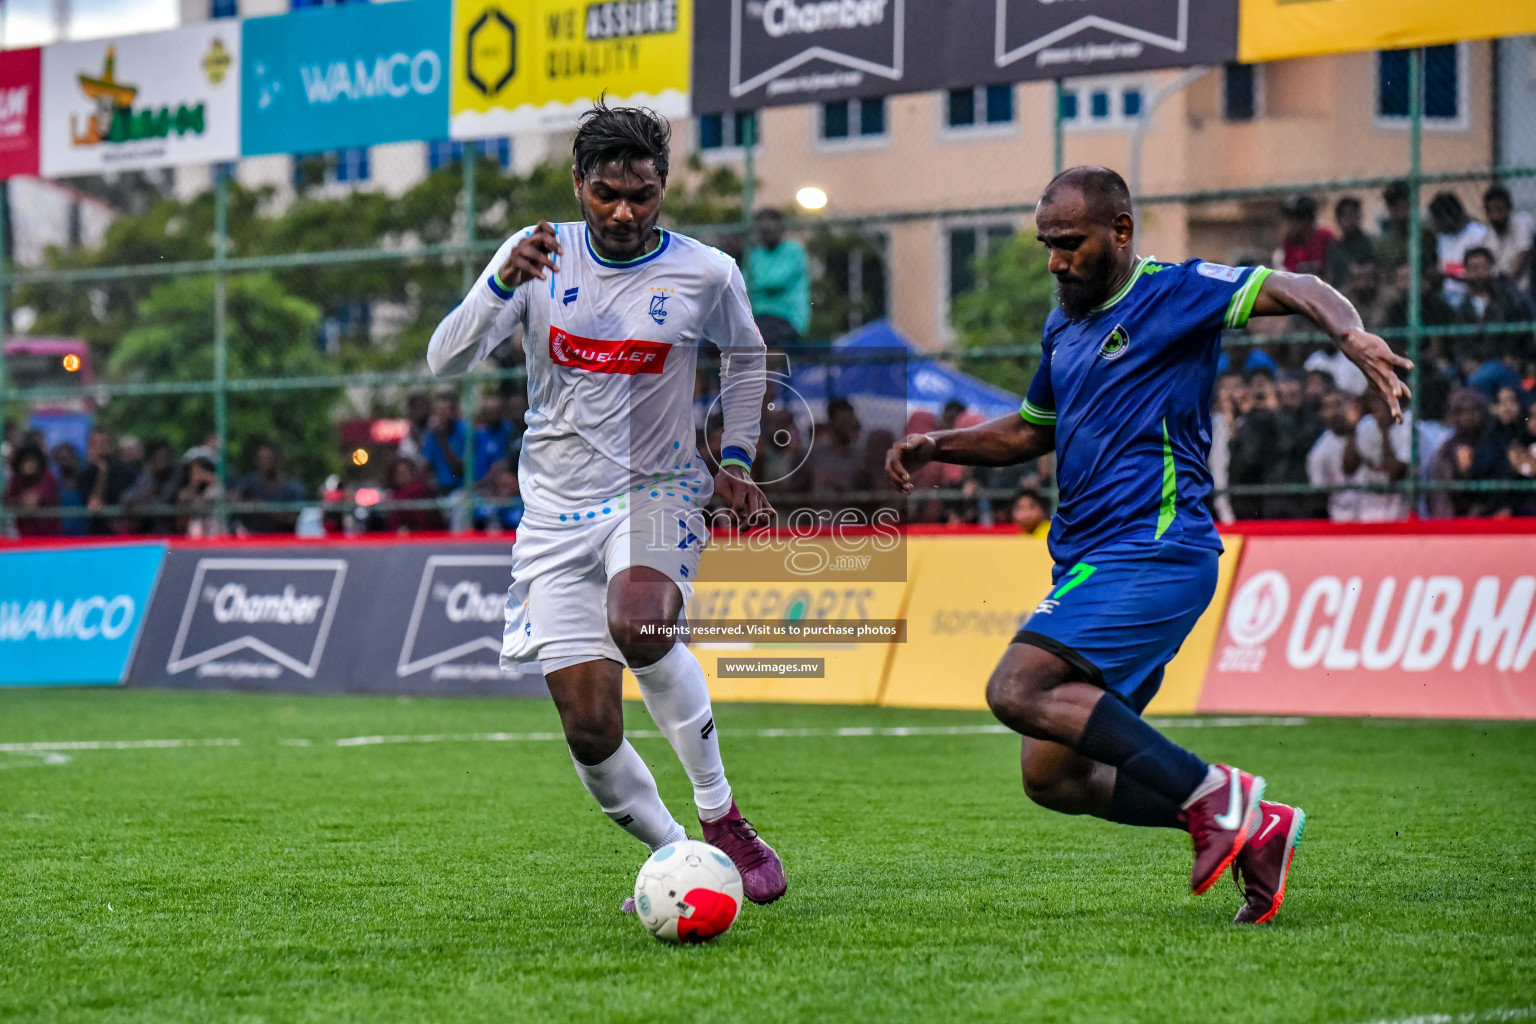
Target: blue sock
column 1135, row 804
column 1115, row 735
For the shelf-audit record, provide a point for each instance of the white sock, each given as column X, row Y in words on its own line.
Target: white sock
column 677, row 696
column 624, row 789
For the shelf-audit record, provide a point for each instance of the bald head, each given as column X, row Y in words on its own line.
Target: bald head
column 1104, row 193
column 1084, row 221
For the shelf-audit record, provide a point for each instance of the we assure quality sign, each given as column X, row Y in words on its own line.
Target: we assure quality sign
column 345, row 76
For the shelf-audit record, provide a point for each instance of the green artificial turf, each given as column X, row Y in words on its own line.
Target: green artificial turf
column 475, row 881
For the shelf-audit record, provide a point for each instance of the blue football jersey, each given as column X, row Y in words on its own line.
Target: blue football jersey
column 1128, row 389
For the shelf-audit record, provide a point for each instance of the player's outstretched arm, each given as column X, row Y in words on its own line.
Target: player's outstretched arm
column 1001, row 442
column 1282, row 294
column 485, row 317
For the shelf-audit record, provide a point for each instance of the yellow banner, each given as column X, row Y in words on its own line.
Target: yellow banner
column 1278, row 29
column 533, row 65
column 852, row 672
column 970, row 597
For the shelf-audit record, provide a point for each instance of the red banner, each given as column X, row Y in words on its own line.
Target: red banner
column 20, row 99
column 1436, row 626
column 600, row 356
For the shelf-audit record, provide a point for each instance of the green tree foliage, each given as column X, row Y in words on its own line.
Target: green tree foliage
column 835, row 308
column 270, row 334
column 1014, row 295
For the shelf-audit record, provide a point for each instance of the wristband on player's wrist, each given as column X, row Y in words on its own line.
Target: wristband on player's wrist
column 735, row 455
column 499, row 288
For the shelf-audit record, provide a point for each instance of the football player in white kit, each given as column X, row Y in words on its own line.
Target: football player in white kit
column 614, row 309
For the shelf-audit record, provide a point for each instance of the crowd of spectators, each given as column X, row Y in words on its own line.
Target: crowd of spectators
column 1293, row 418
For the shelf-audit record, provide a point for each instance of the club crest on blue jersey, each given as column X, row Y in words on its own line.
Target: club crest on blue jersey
column 1114, row 344
column 659, row 308
column 570, row 295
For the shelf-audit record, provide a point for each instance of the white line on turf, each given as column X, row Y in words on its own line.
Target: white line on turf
column 860, row 730
column 988, row 729
column 28, row 748
column 1519, row 1013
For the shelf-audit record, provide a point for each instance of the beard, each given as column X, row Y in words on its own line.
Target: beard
column 1079, row 296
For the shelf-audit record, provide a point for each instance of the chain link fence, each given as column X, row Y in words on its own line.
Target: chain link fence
column 240, row 348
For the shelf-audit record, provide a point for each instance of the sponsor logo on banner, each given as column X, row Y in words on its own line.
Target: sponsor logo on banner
column 20, row 94
column 73, row 616
column 457, row 619
column 1380, row 626
column 140, row 101
column 599, row 356
column 1082, row 33
column 537, row 64
column 346, row 76
column 254, row 618
column 805, row 46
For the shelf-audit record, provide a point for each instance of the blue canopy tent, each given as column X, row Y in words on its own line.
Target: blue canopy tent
column 887, row 373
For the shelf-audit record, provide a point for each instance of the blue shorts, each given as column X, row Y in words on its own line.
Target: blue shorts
column 1119, row 617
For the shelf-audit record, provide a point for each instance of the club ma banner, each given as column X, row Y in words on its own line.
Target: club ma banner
column 1278, row 29
column 533, row 65
column 20, row 100
column 345, row 76
column 133, row 102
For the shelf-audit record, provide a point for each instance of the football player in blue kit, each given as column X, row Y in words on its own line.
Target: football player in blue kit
column 1123, row 396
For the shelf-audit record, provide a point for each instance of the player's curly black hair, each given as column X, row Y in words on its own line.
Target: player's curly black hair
column 621, row 133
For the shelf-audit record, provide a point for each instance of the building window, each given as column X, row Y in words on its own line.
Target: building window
column 1239, row 92
column 851, row 119
column 723, row 131
column 1102, row 104
column 349, row 166
column 848, row 289
column 352, row 165
column 223, row 9
column 981, row 105
column 1442, row 83
column 967, row 246
column 442, row 152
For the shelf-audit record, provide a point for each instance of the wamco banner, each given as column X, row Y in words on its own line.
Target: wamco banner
column 1382, row 626
column 385, row 617
column 345, row 76
column 534, row 65
column 132, row 102
column 71, row 616
column 752, row 53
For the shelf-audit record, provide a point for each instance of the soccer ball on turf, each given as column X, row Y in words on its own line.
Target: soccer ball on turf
column 688, row 892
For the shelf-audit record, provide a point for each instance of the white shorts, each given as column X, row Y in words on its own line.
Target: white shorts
column 557, row 606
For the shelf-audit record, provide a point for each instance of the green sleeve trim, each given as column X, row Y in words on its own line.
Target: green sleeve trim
column 1241, row 306
column 735, row 462
column 1034, row 414
column 1170, row 503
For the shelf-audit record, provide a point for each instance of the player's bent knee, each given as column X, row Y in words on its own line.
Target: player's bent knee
column 1013, row 697
column 1054, row 790
column 593, row 738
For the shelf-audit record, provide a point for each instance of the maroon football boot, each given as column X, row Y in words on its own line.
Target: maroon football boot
column 762, row 873
column 1221, row 814
column 1263, row 866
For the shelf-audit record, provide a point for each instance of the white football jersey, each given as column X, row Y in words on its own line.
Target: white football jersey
column 612, row 354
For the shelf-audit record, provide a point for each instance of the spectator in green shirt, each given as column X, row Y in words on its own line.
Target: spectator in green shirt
column 778, row 282
column 1392, row 244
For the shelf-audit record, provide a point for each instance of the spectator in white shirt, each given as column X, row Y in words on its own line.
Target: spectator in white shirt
column 1455, row 233
column 1510, row 235
column 1374, row 459
column 1325, row 462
